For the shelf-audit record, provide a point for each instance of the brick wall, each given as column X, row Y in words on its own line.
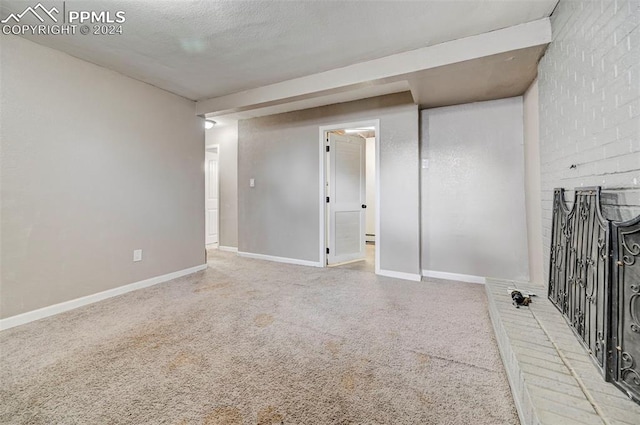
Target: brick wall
column 589, row 82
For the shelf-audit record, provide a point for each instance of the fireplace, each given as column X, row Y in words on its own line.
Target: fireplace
column 594, row 280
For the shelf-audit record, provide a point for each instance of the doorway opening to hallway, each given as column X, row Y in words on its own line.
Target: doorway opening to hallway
column 349, row 204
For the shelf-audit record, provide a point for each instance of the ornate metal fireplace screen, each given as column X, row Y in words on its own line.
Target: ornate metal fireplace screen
column 594, row 280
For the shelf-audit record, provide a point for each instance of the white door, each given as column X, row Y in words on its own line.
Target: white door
column 346, row 206
column 371, row 189
column 211, row 198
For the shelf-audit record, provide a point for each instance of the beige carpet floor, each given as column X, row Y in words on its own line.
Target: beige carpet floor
column 255, row 342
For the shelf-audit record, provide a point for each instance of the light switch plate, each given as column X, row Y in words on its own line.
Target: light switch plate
column 137, row 255
column 252, row 182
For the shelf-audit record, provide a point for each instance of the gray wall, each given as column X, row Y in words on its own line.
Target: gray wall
column 280, row 216
column 473, row 205
column 225, row 135
column 93, row 166
column 589, row 82
column 532, row 183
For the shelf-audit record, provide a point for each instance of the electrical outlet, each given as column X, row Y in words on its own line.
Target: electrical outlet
column 137, row 255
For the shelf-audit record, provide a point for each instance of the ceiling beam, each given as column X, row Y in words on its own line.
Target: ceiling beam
column 385, row 70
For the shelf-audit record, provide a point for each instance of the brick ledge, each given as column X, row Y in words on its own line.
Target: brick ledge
column 552, row 378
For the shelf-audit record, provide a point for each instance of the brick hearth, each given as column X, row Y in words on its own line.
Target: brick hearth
column 552, row 378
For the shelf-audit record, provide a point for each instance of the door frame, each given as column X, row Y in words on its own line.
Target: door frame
column 375, row 123
column 210, row 148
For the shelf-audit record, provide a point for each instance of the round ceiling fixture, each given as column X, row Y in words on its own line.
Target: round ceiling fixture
column 208, row 124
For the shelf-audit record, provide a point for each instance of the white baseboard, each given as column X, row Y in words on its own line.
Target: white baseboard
column 280, row 259
column 454, row 276
column 400, row 275
column 51, row 310
column 228, row 248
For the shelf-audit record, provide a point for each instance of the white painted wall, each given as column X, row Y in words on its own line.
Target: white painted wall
column 589, row 82
column 93, row 166
column 280, row 216
column 532, row 183
column 225, row 135
column 371, row 188
column 473, row 205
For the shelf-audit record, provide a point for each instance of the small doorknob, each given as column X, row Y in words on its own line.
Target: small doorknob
column 364, row 206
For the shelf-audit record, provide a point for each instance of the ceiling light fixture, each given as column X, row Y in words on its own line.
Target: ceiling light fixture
column 208, row 124
column 359, row 130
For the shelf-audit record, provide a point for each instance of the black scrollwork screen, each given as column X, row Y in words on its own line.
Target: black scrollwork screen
column 580, row 268
column 594, row 280
column 626, row 307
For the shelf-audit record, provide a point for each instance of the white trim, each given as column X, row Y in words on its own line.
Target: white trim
column 51, row 310
column 206, row 176
column 322, row 257
column 454, row 276
column 323, row 192
column 378, row 236
column 399, row 275
column 227, row 248
column 280, row 259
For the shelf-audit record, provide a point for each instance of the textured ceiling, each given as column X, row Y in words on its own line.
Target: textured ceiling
column 204, row 49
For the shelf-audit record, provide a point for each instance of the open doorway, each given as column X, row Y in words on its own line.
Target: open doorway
column 349, row 221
